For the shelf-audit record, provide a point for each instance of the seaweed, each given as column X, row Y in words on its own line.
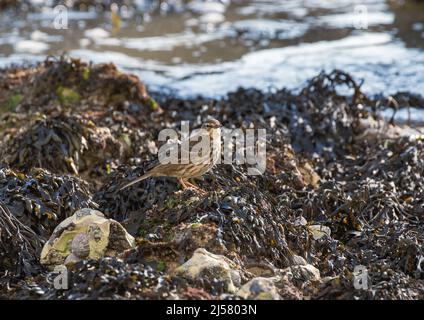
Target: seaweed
column 343, row 187
column 63, row 144
column 20, row 246
column 41, row 200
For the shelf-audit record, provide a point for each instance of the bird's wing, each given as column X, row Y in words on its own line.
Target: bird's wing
column 175, row 146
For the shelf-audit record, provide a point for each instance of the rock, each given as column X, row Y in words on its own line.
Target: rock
column 259, row 271
column 300, row 221
column 309, row 175
column 86, row 234
column 319, row 231
column 304, row 273
column 204, row 264
column 298, row 260
column 288, row 291
column 259, row 289
column 189, row 237
column 374, row 130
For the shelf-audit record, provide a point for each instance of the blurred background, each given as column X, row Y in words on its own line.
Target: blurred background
column 208, row 48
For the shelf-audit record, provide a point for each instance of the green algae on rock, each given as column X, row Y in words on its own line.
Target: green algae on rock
column 85, row 235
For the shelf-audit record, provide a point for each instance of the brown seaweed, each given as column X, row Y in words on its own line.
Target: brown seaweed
column 323, row 170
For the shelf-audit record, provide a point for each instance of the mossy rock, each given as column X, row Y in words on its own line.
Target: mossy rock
column 105, row 237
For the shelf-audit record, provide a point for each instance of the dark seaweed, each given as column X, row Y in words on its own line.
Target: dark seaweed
column 324, row 167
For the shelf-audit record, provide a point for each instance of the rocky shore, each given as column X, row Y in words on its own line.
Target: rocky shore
column 343, row 188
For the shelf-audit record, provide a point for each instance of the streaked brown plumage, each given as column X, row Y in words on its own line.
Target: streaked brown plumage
column 189, row 170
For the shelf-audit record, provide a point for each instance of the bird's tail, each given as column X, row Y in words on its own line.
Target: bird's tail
column 144, row 176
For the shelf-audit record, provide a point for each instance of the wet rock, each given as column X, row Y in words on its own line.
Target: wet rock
column 259, row 289
column 86, row 234
column 205, row 265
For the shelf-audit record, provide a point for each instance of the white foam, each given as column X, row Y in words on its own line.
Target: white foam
column 31, row 46
column 96, row 33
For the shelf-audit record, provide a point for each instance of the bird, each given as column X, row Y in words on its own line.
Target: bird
column 184, row 171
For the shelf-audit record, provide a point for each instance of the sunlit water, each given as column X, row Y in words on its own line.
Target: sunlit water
column 210, row 48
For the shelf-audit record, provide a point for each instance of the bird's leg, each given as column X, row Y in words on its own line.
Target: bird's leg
column 186, row 184
column 195, row 187
column 183, row 183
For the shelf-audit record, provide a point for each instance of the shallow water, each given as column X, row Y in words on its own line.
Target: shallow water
column 210, row 48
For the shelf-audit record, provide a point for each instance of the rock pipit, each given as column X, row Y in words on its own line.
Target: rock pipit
column 204, row 161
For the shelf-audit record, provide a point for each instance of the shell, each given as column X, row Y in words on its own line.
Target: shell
column 80, row 245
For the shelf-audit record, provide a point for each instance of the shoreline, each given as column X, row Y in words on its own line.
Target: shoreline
column 343, row 188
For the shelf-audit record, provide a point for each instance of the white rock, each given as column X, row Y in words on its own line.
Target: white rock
column 205, row 264
column 260, row 288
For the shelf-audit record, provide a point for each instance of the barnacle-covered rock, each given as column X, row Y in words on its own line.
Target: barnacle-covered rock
column 86, row 234
column 205, row 266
